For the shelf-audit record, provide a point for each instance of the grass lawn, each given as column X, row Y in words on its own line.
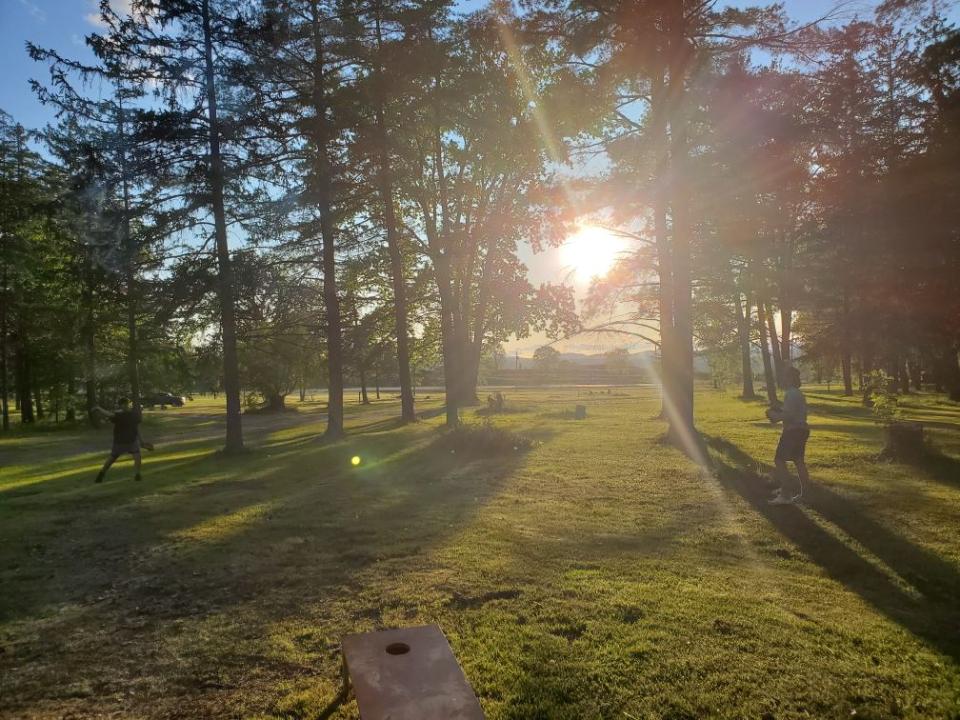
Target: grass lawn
column 602, row 574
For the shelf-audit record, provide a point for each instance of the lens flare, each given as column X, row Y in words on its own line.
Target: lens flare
column 355, row 460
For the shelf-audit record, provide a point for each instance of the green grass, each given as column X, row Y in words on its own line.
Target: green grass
column 601, row 574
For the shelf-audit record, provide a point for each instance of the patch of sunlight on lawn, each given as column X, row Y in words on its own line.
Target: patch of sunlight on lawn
column 33, row 480
column 297, row 432
column 93, row 462
column 223, row 526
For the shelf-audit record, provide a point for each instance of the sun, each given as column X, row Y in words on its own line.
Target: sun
column 591, row 252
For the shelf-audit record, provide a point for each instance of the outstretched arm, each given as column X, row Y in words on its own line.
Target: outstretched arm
column 100, row 411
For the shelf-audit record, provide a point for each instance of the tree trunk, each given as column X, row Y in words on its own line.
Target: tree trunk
column 681, row 419
column 320, row 133
column 474, row 346
column 846, row 363
column 770, row 380
column 4, row 407
column 88, row 331
column 743, row 335
column 951, row 378
column 846, row 359
column 785, row 298
column 472, row 381
column 451, row 366
column 665, row 307
column 658, row 127
column 786, row 321
column 364, row 397
column 452, row 370
column 916, row 373
column 775, row 350
column 904, row 376
column 467, row 380
column 397, row 271
column 24, row 389
column 225, row 285
column 331, row 301
column 39, row 403
column 71, row 391
column 130, row 249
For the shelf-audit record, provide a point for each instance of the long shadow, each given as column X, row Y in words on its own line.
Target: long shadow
column 111, row 517
column 66, row 476
column 393, row 422
column 319, row 535
column 933, row 615
column 65, row 487
column 938, row 466
column 355, row 433
column 853, row 410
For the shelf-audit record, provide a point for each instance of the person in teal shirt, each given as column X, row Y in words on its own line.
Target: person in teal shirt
column 793, row 439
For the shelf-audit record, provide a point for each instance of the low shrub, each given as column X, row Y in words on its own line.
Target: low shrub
column 484, row 440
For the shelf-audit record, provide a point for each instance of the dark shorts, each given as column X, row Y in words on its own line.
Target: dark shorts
column 130, row 448
column 792, row 445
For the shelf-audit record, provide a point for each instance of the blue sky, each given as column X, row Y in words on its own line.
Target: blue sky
column 62, row 25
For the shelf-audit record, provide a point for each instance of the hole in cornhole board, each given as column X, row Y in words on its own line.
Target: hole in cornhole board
column 398, row 648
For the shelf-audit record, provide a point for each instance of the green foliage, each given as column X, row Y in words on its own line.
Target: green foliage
column 880, row 394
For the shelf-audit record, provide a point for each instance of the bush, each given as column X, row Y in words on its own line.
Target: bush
column 484, row 440
column 880, row 394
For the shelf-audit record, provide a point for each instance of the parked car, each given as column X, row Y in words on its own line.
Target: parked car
column 163, row 399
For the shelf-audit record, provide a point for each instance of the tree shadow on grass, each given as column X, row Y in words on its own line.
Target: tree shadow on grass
column 394, row 422
column 930, row 612
column 65, row 477
column 266, row 538
column 938, row 466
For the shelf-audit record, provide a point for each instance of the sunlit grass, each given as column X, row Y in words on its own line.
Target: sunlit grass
column 602, row 574
column 220, row 527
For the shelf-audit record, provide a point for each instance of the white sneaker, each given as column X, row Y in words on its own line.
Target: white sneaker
column 781, row 499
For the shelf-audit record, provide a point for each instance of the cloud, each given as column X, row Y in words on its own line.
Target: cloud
column 35, row 11
column 120, row 7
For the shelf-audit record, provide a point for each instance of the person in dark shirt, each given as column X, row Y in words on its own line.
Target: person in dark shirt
column 793, row 440
column 126, row 436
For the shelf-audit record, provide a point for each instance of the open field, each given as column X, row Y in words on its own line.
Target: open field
column 603, row 574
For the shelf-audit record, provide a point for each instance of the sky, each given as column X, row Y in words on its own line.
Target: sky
column 61, row 25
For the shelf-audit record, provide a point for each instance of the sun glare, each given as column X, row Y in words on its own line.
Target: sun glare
column 591, row 252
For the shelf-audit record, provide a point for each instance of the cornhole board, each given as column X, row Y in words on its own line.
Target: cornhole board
column 408, row 674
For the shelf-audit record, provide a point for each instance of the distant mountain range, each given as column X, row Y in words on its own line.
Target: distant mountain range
column 638, row 360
